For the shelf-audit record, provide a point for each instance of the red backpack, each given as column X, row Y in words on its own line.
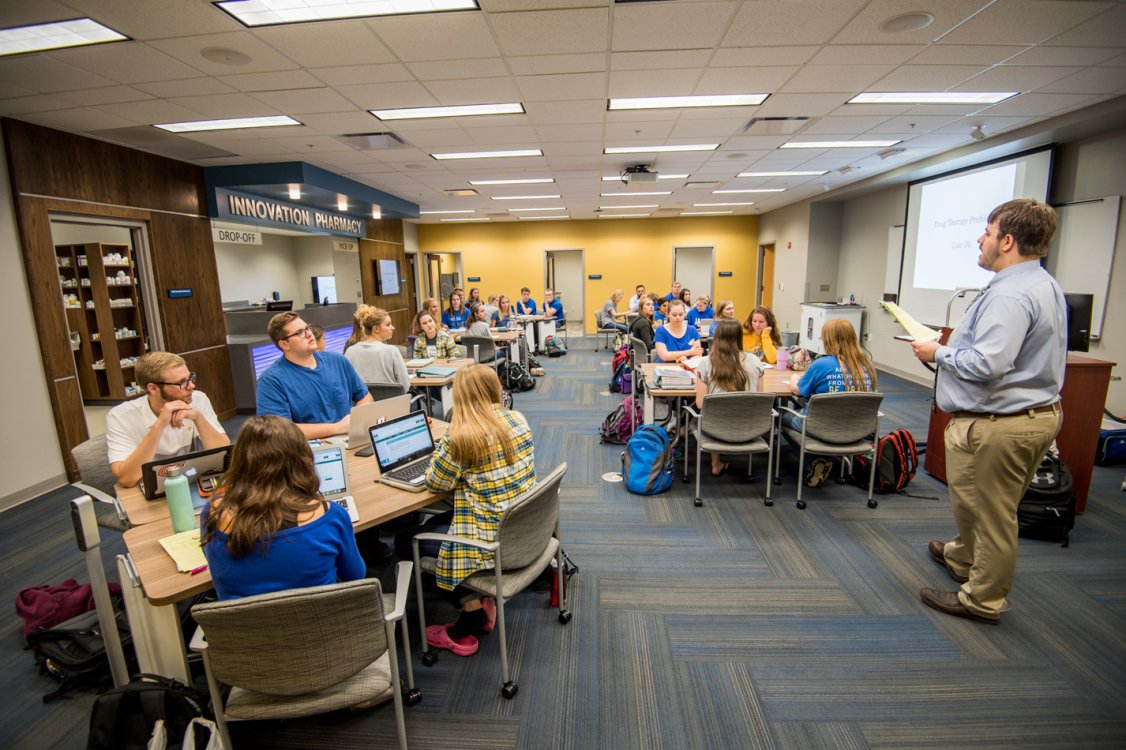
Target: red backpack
column 897, row 458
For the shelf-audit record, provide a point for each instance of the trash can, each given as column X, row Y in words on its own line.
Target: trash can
column 789, row 338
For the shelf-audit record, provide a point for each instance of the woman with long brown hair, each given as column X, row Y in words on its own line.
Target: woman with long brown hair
column 760, row 335
column 726, row 369
column 677, row 341
column 643, row 326
column 269, row 529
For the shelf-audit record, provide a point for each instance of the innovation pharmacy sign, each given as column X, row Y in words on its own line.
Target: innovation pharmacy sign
column 241, row 207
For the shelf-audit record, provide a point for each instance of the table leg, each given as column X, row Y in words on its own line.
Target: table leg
column 157, row 637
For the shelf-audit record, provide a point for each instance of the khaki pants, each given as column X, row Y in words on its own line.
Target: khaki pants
column 990, row 461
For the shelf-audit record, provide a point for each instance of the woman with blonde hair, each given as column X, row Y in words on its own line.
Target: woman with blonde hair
column 269, row 528
column 610, row 313
column 844, row 367
column 726, row 369
column 760, row 335
column 357, row 328
column 724, row 309
column 485, row 459
column 431, row 339
column 504, row 317
column 375, row 360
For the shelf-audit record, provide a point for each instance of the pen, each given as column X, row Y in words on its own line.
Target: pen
column 198, row 570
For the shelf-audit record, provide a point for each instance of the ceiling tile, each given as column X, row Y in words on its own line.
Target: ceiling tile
column 757, row 80
column 665, row 59
column 43, row 74
column 448, row 36
column 500, row 137
column 967, row 54
column 1037, row 104
column 835, row 125
column 864, row 28
column 1116, row 62
column 144, row 19
column 797, row 22
column 589, row 62
column 552, row 31
column 1062, row 56
column 300, row 101
column 654, row 131
column 827, row 78
column 360, row 74
column 1024, row 22
column 322, row 44
column 713, row 128
column 388, row 95
column 262, row 56
column 340, row 123
column 87, row 97
column 556, row 133
column 1014, row 78
column 564, row 112
column 440, row 139
column 76, row 120
column 474, row 91
column 859, row 54
column 1101, row 31
column 764, row 55
column 131, row 62
column 9, row 90
column 666, row 82
column 490, row 67
column 1090, row 81
column 225, row 105
column 185, row 87
column 913, row 124
column 279, row 81
column 150, row 112
column 925, row 77
column 509, row 5
column 560, row 87
column 661, row 26
column 23, row 14
column 801, row 105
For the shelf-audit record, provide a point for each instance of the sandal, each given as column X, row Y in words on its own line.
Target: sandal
column 722, row 469
column 818, row 473
column 489, row 604
column 437, row 637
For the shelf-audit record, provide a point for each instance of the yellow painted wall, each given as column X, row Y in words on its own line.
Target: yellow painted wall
column 625, row 252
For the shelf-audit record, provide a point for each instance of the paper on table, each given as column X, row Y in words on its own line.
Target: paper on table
column 917, row 330
column 184, row 550
column 414, row 363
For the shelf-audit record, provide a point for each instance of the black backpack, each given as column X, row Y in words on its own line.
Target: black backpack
column 517, row 376
column 75, row 653
column 896, row 463
column 123, row 718
column 1047, row 510
column 554, row 346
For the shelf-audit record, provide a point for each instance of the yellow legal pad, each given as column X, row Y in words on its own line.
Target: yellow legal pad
column 914, row 328
column 185, row 550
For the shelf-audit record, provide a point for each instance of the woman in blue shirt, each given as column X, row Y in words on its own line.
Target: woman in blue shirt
column 844, row 367
column 504, row 317
column 455, row 316
column 270, row 529
column 724, row 309
column 677, row 341
column 702, row 311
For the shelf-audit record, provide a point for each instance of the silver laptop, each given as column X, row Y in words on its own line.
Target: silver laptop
column 365, row 415
column 703, row 325
column 332, row 469
column 403, row 448
column 195, row 465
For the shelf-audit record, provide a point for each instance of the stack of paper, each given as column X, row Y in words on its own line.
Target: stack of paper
column 914, row 328
column 416, row 363
column 674, row 377
column 185, row 550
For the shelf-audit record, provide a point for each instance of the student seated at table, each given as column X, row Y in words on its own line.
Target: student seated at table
column 478, row 323
column 491, row 306
column 318, row 336
column 701, row 311
column 486, row 458
column 269, row 529
column 760, row 335
column 686, row 298
column 661, row 312
column 525, row 305
column 677, row 341
column 357, row 334
column 610, row 313
column 553, row 309
column 456, row 314
column 474, row 298
column 724, row 310
column 504, row 317
column 726, row 369
column 432, row 341
column 375, row 360
column 643, row 326
column 844, row 367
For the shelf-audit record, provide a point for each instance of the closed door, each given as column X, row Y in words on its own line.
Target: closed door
column 563, row 273
column 694, row 268
column 766, row 275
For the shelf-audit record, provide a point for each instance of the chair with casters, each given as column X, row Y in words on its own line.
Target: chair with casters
column 561, row 328
column 741, row 422
column 605, row 329
column 836, row 424
column 331, row 653
column 483, row 347
column 641, row 352
column 98, row 482
column 527, row 540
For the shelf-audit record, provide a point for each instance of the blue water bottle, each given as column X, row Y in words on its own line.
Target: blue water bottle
column 179, row 498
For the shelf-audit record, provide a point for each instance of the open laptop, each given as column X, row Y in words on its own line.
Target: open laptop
column 703, row 325
column 332, row 470
column 195, row 465
column 403, row 448
column 365, row 415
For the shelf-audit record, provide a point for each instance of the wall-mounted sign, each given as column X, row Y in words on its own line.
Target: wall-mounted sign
column 179, row 293
column 594, row 276
column 236, row 236
column 476, row 279
column 240, row 207
column 345, row 246
column 724, row 274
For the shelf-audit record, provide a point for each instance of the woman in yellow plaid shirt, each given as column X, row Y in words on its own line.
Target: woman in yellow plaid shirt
column 486, row 458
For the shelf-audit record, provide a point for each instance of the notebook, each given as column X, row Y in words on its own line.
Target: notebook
column 333, row 473
column 195, row 464
column 403, row 448
column 365, row 415
column 436, row 371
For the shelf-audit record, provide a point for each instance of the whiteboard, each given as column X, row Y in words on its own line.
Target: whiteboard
column 1082, row 252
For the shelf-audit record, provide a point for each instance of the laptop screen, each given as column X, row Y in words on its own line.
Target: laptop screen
column 331, row 470
column 401, row 440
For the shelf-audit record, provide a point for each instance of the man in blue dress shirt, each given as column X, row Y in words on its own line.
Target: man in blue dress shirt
column 315, row 389
column 999, row 377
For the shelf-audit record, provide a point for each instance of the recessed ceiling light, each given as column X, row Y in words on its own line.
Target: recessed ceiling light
column 816, row 173
column 704, row 213
column 620, row 216
column 907, row 22
column 376, row 212
column 639, row 205
column 274, row 12
column 439, row 211
column 521, row 181
column 542, row 208
column 618, row 178
column 489, row 154
column 540, row 218
column 524, row 197
column 342, row 203
column 634, row 193
column 932, row 97
column 234, row 123
column 294, row 191
column 660, row 149
column 838, row 144
column 225, row 56
column 464, row 110
column 752, row 190
column 701, row 205
column 676, row 102
column 479, row 218
column 78, row 32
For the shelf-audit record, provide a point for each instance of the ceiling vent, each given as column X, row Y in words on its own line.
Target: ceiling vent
column 372, row 141
column 775, row 125
column 701, row 184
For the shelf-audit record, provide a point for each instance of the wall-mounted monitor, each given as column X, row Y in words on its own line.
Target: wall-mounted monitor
column 386, row 276
column 324, row 290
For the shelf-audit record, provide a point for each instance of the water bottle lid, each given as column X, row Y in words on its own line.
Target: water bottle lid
column 171, row 470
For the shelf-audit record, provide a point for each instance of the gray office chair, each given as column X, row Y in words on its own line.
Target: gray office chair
column 380, row 391
column 734, row 423
column 305, row 651
column 527, row 540
column 637, row 346
column 483, row 346
column 97, row 481
column 836, row 424
column 605, row 330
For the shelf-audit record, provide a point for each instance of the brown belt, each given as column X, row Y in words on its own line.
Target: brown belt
column 1055, row 408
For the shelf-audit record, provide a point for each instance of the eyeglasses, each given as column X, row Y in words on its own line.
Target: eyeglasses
column 298, row 332
column 183, row 384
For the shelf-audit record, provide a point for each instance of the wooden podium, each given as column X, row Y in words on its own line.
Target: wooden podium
column 1085, row 385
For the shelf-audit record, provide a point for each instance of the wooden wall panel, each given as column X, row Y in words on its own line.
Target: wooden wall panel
column 213, row 366
column 401, row 306
column 183, row 256
column 70, row 423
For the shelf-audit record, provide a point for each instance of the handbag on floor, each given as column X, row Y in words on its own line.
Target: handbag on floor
column 1047, row 510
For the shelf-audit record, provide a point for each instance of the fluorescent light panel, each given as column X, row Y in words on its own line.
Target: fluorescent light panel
column 704, row 213
column 634, row 194
column 524, row 197
column 838, row 144
column 439, row 211
column 932, row 97
column 704, row 205
column 618, row 178
column 479, row 218
column 543, row 208
column 750, row 190
column 234, row 123
column 660, row 149
column 489, row 154
column 78, row 32
column 539, row 218
column 520, row 181
column 816, row 173
column 464, row 110
column 678, row 102
column 639, row 205
column 620, row 216
column 273, row 12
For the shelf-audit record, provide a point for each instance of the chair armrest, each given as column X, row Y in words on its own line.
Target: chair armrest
column 199, row 641
column 792, row 411
column 95, row 493
column 692, row 411
column 434, row 536
column 402, row 590
column 880, row 414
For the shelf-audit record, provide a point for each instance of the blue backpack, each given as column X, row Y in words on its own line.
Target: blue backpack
column 647, row 462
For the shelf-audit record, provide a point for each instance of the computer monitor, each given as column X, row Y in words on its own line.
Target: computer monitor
column 281, row 305
column 1079, row 311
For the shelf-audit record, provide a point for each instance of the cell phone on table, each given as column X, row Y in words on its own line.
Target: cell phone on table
column 365, row 452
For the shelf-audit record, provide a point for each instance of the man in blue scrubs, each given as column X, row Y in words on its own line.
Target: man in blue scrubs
column 315, row 389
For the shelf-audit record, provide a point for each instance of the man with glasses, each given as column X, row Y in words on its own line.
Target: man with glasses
column 314, row 389
column 172, row 418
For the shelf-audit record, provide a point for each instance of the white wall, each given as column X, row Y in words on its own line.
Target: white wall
column 32, row 463
column 788, row 226
column 312, row 256
column 254, row 272
column 824, row 253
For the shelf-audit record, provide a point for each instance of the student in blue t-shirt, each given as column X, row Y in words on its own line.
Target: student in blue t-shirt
column 553, row 308
column 844, row 367
column 677, row 341
column 525, row 305
column 661, row 311
column 456, row 314
column 703, row 310
column 315, row 389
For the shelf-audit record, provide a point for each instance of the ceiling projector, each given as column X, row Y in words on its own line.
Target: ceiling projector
column 639, row 174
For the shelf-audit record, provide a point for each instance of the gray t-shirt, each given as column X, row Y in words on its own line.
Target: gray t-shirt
column 751, row 363
column 377, row 362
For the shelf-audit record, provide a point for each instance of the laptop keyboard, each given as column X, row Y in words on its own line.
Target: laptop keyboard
column 411, row 473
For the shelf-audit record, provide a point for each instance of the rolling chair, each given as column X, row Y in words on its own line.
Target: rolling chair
column 734, row 423
column 98, row 482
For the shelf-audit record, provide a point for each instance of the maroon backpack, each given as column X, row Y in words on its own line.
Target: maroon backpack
column 897, row 459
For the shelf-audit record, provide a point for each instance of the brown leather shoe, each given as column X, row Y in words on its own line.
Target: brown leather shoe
column 936, row 547
column 949, row 603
